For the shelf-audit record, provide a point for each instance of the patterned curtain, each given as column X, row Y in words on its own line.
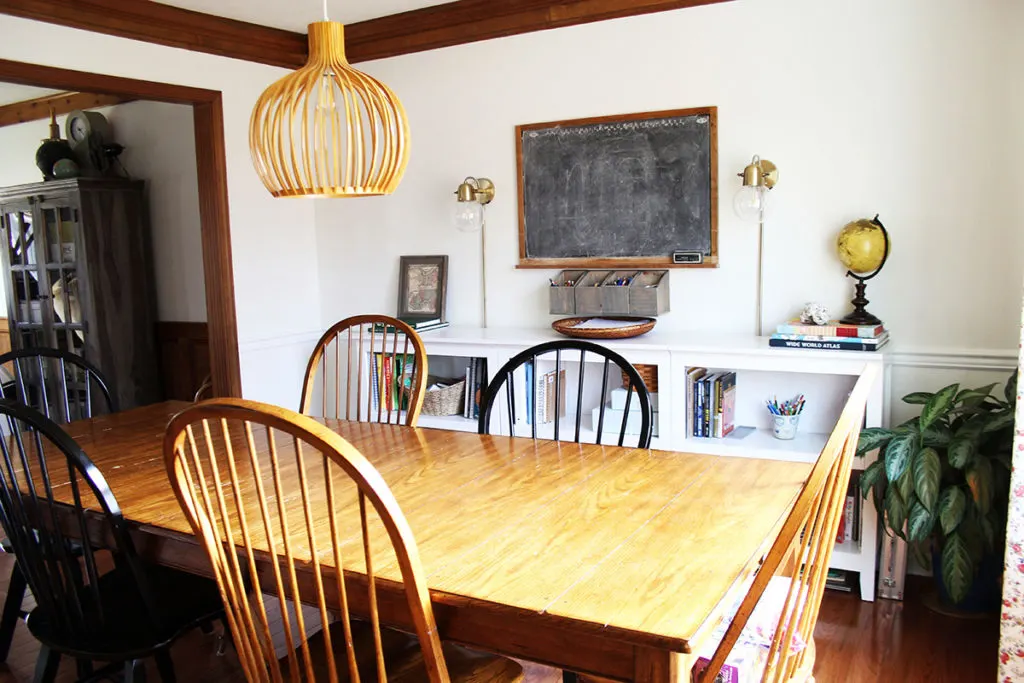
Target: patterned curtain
column 1011, row 638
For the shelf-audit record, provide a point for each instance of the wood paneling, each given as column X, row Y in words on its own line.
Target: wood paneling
column 5, row 336
column 453, row 23
column 213, row 193
column 59, row 104
column 184, row 350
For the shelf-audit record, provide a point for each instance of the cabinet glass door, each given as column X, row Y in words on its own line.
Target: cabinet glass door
column 24, row 306
column 59, row 294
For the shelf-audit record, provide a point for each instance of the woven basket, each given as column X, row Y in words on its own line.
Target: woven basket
column 649, row 374
column 445, row 401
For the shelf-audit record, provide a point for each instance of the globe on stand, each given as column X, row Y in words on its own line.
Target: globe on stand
column 863, row 248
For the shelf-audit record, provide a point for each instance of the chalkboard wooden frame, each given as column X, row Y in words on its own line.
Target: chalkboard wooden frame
column 709, row 260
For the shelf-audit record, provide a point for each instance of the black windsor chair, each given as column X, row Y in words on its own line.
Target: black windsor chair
column 131, row 612
column 64, row 387
column 512, row 377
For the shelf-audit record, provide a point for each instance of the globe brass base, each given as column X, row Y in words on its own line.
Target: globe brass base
column 860, row 315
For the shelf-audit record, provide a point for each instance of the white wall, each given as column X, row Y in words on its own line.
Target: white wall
column 159, row 148
column 875, row 106
column 273, row 241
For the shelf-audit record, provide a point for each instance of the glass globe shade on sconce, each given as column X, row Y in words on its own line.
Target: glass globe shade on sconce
column 472, row 195
column 751, row 200
column 468, row 216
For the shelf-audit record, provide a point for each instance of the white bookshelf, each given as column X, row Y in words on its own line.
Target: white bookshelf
column 824, row 377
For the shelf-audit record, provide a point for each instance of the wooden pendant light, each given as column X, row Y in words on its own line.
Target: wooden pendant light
column 328, row 130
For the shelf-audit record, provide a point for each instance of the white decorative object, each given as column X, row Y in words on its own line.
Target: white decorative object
column 815, row 313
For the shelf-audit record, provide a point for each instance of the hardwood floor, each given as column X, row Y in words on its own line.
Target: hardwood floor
column 858, row 642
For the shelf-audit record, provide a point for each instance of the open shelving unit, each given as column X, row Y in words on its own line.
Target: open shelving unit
column 824, row 377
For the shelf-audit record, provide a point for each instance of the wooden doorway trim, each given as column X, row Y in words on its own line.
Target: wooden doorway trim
column 211, row 166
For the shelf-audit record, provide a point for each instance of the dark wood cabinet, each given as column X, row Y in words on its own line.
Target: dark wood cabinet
column 78, row 274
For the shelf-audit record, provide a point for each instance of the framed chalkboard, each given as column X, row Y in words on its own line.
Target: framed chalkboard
column 619, row 191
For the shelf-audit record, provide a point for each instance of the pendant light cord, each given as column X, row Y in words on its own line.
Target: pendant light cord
column 325, row 11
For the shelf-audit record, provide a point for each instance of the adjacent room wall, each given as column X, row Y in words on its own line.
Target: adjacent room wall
column 159, row 148
column 273, row 241
column 868, row 107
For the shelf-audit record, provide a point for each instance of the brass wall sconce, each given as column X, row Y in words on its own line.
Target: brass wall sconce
column 473, row 195
column 750, row 204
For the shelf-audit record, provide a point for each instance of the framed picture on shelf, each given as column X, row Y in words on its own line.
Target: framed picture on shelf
column 422, row 287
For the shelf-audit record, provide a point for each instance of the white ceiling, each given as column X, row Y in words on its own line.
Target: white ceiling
column 295, row 15
column 11, row 93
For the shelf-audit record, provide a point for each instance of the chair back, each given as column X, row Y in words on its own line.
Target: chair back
column 40, row 462
column 269, row 492
column 357, row 372
column 205, row 390
column 539, row 378
column 804, row 549
column 61, row 385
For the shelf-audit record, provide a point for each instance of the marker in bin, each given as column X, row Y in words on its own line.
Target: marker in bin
column 622, row 281
column 794, row 406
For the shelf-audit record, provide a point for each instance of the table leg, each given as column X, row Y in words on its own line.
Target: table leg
column 651, row 665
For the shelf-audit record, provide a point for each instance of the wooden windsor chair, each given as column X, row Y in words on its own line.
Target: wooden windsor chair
column 372, row 380
column 603, row 370
column 268, row 491
column 64, row 387
column 776, row 617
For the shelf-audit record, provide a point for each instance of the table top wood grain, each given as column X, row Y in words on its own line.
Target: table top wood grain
column 640, row 545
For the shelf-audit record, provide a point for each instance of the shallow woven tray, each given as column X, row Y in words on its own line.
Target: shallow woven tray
column 565, row 326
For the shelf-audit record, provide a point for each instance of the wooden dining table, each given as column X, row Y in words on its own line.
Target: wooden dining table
column 610, row 561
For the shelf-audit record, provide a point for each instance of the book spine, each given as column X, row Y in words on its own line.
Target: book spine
column 849, row 331
column 718, row 407
column 698, row 421
column 706, row 429
column 834, row 346
column 848, row 518
column 529, row 393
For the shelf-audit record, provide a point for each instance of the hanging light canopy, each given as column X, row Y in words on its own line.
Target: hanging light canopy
column 328, row 130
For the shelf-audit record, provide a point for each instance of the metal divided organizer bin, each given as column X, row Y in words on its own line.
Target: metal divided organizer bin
column 595, row 292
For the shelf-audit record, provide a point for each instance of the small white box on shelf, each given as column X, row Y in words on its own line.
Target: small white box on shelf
column 613, row 420
column 618, row 400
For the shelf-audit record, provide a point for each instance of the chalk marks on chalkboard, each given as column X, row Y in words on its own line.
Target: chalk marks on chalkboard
column 627, row 190
column 622, row 126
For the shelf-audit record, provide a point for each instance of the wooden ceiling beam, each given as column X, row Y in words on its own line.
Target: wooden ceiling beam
column 429, row 28
column 153, row 22
column 60, row 103
column 468, row 21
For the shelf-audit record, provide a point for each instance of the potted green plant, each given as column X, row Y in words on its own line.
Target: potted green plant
column 941, row 482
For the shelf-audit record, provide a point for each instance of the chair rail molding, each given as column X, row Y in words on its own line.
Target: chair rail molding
column 961, row 358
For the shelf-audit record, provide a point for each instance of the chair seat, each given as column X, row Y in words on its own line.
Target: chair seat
column 404, row 658
column 183, row 601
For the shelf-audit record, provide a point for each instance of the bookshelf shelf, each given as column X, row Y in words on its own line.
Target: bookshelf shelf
column 825, row 377
column 456, row 423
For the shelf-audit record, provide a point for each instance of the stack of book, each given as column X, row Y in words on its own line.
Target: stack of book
column 418, row 324
column 840, row 580
column 849, row 522
column 476, row 384
column 545, row 393
column 712, row 399
column 832, row 335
